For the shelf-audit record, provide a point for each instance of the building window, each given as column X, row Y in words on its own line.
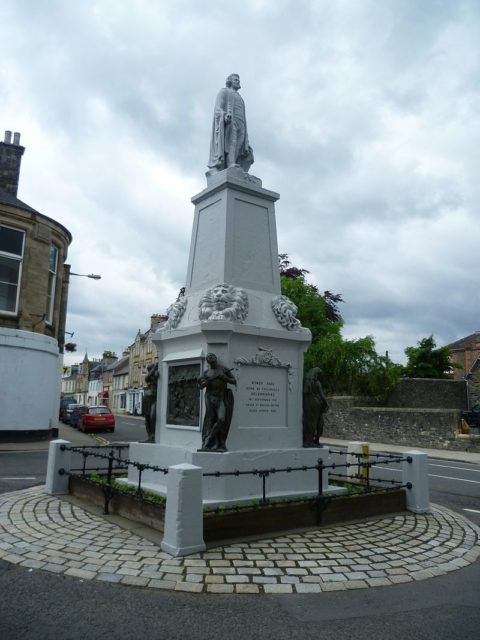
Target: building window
column 11, row 257
column 52, row 278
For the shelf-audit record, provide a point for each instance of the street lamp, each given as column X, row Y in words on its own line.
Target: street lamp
column 93, row 276
column 63, row 308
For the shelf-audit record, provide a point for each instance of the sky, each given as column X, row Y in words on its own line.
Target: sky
column 363, row 114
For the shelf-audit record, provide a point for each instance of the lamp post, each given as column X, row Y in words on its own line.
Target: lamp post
column 63, row 312
column 93, row 276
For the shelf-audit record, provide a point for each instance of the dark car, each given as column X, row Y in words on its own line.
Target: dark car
column 96, row 418
column 69, row 410
column 472, row 417
column 64, row 402
column 76, row 415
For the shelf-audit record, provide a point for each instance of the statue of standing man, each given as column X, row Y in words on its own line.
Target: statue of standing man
column 218, row 404
column 229, row 145
column 314, row 406
column 150, row 401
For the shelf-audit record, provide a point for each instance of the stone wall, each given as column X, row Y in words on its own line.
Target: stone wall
column 428, row 428
column 423, row 393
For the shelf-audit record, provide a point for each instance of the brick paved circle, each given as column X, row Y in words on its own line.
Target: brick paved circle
column 42, row 532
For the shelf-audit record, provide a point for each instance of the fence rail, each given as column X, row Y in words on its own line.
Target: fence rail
column 115, row 463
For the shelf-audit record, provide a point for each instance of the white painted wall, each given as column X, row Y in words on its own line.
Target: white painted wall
column 29, row 380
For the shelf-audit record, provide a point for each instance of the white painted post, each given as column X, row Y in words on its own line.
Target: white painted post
column 363, row 449
column 57, row 484
column 183, row 531
column 416, row 473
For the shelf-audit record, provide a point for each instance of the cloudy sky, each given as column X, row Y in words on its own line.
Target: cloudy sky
column 363, row 114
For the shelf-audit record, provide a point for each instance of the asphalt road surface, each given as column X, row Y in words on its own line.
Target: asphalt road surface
column 37, row 605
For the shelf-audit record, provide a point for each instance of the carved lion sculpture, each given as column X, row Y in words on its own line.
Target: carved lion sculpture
column 223, row 302
column 175, row 312
column 285, row 311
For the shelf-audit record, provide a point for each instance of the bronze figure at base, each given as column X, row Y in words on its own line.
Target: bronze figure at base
column 218, row 405
column 150, row 401
column 314, row 406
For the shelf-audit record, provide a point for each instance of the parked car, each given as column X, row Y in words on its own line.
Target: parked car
column 76, row 415
column 96, row 418
column 69, row 410
column 64, row 402
column 472, row 418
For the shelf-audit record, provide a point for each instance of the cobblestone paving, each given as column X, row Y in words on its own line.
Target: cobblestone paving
column 42, row 532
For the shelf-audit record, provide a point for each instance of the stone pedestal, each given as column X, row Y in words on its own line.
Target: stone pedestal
column 233, row 308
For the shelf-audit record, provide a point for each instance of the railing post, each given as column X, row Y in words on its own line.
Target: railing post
column 58, row 459
column 358, row 452
column 415, row 473
column 183, row 530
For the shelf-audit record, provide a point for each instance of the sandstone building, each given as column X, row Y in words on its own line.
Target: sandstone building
column 33, row 301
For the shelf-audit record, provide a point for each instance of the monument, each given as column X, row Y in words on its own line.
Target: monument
column 233, row 318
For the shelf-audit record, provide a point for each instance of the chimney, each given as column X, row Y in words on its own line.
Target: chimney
column 10, row 159
column 156, row 319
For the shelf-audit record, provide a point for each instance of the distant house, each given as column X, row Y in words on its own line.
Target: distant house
column 465, row 352
column 97, row 392
column 142, row 354
column 33, row 302
column 120, row 385
column 473, row 382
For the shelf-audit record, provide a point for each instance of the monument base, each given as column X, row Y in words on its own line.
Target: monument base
column 232, row 488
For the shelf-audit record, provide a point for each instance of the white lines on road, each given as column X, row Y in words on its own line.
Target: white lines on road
column 472, row 510
column 446, row 466
column 18, row 478
column 432, row 475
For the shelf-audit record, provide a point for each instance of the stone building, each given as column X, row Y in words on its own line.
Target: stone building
column 97, row 391
column 465, row 352
column 33, row 300
column 120, row 385
column 473, row 382
column 142, row 353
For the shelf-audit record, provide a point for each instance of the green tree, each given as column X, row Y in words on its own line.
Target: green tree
column 350, row 367
column 426, row 361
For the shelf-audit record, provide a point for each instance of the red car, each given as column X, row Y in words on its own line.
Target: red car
column 97, row 418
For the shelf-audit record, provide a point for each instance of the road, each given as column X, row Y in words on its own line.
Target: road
column 455, row 485
column 39, row 605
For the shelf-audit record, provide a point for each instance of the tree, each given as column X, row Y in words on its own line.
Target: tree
column 425, row 361
column 289, row 272
column 350, row 367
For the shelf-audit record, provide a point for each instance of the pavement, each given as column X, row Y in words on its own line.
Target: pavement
column 61, row 535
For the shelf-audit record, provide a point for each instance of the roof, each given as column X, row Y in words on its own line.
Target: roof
column 121, row 366
column 473, row 367
column 465, row 343
column 12, row 201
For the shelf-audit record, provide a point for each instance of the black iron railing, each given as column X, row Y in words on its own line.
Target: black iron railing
column 110, row 462
column 106, row 475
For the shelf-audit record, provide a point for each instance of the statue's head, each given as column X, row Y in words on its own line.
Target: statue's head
column 315, row 373
column 211, row 358
column 233, row 80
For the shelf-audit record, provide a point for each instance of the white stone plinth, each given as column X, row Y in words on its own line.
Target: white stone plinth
column 416, row 473
column 234, row 236
column 231, row 488
column 58, row 458
column 183, row 532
